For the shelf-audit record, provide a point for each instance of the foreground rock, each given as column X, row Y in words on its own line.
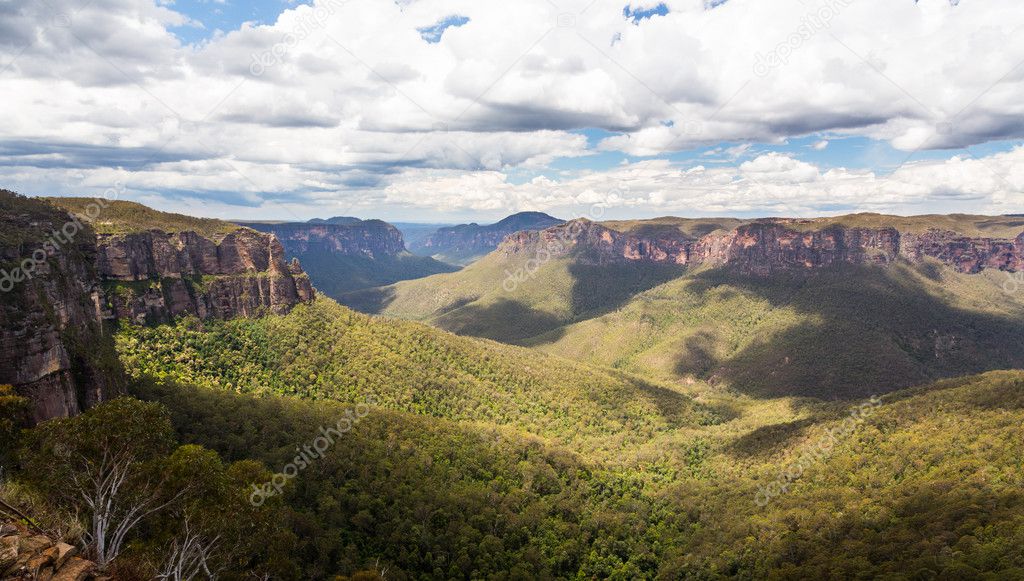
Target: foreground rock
column 28, row 556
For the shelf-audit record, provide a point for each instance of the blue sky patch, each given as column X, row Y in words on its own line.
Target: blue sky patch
column 224, row 16
column 432, row 33
column 638, row 14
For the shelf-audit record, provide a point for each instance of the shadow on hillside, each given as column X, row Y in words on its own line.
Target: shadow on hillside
column 917, row 513
column 598, row 289
column 677, row 409
column 505, row 320
column 860, row 330
column 768, row 439
column 370, row 301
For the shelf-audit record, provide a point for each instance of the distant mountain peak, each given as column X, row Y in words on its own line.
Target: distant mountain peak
column 343, row 220
column 518, row 216
column 465, row 243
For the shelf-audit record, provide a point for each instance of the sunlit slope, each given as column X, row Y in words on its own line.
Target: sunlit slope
column 510, row 298
column 325, row 351
column 925, row 485
column 842, row 332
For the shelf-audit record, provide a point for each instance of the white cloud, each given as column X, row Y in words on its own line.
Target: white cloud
column 769, row 184
column 350, row 95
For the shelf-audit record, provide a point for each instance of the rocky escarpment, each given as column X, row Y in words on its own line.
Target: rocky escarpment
column 155, row 276
column 967, row 254
column 53, row 347
column 25, row 555
column 368, row 238
column 766, row 246
column 462, row 243
column 344, row 254
column 61, row 284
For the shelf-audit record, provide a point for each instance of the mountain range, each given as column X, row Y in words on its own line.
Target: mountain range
column 465, row 243
column 345, row 254
column 654, row 399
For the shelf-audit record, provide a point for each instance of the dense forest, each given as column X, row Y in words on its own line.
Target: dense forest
column 506, row 464
column 696, row 425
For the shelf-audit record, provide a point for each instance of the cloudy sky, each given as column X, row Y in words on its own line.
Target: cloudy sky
column 444, row 110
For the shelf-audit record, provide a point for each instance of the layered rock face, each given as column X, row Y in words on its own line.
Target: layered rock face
column 466, row 241
column 966, row 254
column 62, row 283
column 369, row 238
column 767, row 246
column 53, row 347
column 242, row 274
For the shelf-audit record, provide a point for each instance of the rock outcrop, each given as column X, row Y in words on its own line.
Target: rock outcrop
column 370, row 238
column 765, row 246
column 343, row 254
column 28, row 556
column 53, row 347
column 154, row 276
column 462, row 243
column 61, row 285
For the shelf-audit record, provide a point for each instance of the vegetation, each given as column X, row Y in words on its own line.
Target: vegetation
column 512, row 299
column 13, row 417
column 336, row 274
column 144, row 501
column 325, row 351
column 845, row 332
column 664, row 425
column 929, row 486
column 965, row 224
column 120, row 217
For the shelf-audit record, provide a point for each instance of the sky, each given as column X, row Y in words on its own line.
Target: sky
column 452, row 110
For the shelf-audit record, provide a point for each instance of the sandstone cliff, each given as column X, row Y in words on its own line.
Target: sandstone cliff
column 771, row 245
column 62, row 284
column 343, row 255
column 154, row 276
column 463, row 243
column 369, row 238
column 53, row 347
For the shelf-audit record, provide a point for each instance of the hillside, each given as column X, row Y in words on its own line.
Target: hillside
column 511, row 299
column 347, row 254
column 465, row 243
column 758, row 306
column 846, row 332
column 325, row 351
column 923, row 481
column 122, row 217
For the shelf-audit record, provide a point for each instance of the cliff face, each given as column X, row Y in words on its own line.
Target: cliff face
column 462, row 243
column 343, row 254
column 53, row 348
column 768, row 246
column 154, row 276
column 62, row 283
column 368, row 238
